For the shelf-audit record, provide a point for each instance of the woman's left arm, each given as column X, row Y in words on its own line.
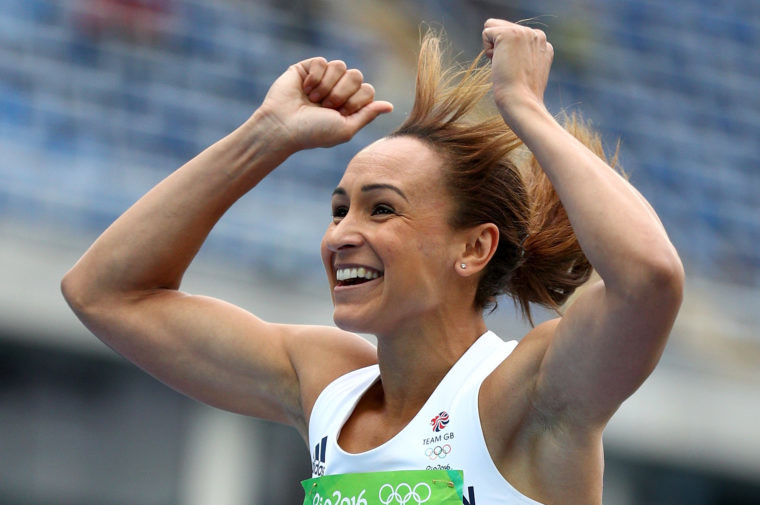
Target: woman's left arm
column 612, row 336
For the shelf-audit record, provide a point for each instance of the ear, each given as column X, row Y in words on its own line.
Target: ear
column 480, row 246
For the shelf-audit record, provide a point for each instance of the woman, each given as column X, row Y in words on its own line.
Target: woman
column 429, row 225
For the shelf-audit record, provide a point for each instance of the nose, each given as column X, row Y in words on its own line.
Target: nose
column 344, row 234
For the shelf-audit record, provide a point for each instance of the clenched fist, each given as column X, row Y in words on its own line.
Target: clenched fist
column 320, row 103
column 520, row 58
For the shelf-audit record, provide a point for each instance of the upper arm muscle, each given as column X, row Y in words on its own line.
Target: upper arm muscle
column 601, row 351
column 224, row 356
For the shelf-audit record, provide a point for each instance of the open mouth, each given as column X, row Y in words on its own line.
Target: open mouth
column 356, row 275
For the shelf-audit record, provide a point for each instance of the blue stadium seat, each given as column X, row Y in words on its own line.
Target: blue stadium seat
column 676, row 82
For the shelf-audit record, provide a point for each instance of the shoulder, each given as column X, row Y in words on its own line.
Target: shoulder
column 321, row 354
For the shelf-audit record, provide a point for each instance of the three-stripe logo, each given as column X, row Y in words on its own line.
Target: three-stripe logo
column 318, row 462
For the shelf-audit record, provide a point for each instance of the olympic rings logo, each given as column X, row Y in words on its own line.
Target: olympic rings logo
column 438, row 452
column 403, row 493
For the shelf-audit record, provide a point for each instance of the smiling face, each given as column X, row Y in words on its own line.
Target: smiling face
column 389, row 252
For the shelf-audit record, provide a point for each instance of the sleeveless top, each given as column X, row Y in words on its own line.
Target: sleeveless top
column 445, row 433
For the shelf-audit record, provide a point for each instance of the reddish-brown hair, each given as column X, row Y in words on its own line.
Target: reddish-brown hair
column 493, row 178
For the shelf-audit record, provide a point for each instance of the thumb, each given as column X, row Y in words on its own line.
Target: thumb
column 366, row 114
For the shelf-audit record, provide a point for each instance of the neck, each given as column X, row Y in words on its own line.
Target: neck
column 413, row 361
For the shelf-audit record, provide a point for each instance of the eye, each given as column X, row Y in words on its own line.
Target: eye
column 339, row 211
column 382, row 209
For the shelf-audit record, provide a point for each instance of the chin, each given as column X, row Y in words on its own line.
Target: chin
column 348, row 320
column 351, row 324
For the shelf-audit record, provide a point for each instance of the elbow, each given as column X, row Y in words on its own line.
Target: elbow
column 73, row 291
column 654, row 277
column 78, row 291
column 662, row 279
column 669, row 271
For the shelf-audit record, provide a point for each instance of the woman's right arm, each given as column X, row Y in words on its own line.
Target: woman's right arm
column 125, row 287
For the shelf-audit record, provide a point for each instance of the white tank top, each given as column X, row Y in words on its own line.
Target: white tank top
column 445, row 433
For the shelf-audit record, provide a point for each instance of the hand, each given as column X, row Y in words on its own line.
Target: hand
column 520, row 62
column 317, row 103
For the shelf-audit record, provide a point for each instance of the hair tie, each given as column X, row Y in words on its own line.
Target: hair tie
column 522, row 245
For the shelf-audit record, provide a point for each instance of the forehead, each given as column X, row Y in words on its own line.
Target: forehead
column 405, row 162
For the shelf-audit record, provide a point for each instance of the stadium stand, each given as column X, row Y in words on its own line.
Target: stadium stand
column 95, row 105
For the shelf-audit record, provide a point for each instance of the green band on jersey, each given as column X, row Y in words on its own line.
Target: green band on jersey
column 409, row 487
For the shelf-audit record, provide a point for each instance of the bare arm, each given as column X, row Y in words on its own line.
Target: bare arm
column 613, row 335
column 125, row 287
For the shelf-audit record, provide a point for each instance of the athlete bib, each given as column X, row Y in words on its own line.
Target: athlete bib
column 408, row 487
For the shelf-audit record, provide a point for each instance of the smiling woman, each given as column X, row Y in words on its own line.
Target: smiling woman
column 430, row 225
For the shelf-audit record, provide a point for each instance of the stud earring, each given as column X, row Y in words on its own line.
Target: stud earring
column 462, row 266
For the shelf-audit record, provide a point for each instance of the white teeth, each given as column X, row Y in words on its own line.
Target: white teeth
column 343, row 274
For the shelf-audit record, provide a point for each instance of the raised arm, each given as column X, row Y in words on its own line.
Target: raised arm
column 125, row 287
column 612, row 336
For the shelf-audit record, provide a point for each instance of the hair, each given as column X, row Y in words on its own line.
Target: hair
column 493, row 178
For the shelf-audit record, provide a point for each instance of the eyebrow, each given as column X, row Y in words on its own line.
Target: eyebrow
column 372, row 187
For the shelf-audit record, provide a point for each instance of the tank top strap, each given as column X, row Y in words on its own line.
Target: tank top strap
column 477, row 363
column 336, row 402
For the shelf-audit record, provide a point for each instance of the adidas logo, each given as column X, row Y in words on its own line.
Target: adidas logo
column 318, row 462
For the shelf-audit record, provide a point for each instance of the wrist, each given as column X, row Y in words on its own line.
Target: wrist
column 515, row 106
column 520, row 112
column 252, row 150
column 267, row 129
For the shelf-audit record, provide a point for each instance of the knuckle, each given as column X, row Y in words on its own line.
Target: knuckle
column 338, row 64
column 355, row 74
column 514, row 32
column 317, row 63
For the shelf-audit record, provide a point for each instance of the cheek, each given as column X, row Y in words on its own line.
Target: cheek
column 325, row 253
column 426, row 259
column 436, row 245
column 430, row 248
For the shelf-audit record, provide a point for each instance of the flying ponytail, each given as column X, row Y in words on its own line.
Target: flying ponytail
column 493, row 178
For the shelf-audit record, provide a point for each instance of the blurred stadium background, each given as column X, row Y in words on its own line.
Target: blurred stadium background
column 100, row 99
